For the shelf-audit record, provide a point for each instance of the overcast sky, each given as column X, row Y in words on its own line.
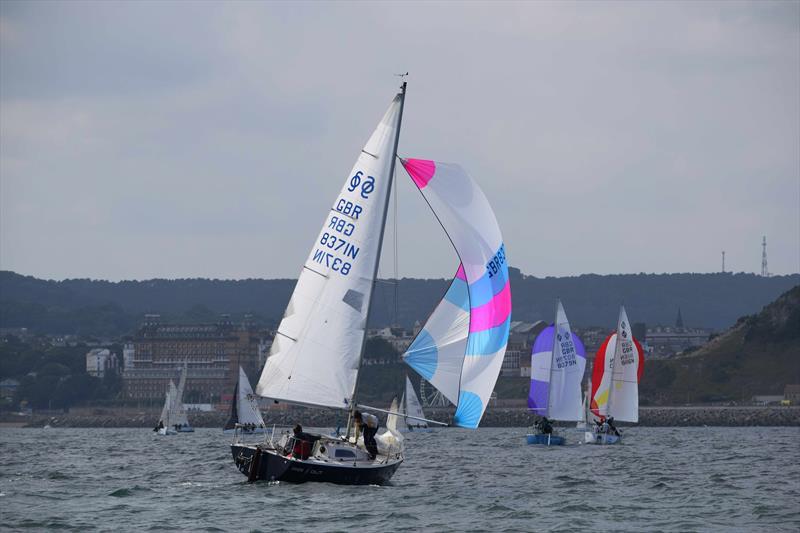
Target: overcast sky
column 142, row 140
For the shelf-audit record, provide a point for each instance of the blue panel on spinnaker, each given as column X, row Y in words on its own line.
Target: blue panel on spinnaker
column 422, row 355
column 469, row 411
column 458, row 294
column 490, row 341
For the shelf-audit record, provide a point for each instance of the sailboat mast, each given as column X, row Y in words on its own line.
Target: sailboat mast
column 552, row 358
column 611, row 368
column 380, row 247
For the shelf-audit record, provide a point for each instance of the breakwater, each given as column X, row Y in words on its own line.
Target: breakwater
column 494, row 417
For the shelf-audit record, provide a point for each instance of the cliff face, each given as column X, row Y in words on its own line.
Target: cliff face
column 760, row 354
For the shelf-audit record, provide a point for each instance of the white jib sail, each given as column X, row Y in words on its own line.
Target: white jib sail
column 413, row 407
column 315, row 356
column 247, row 406
column 179, row 409
column 393, row 421
column 623, row 399
column 566, row 372
column 164, row 418
column 174, row 408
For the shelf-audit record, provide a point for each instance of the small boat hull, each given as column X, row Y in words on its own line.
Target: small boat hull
column 166, row 431
column 546, row 440
column 271, row 466
column 186, row 429
column 591, row 437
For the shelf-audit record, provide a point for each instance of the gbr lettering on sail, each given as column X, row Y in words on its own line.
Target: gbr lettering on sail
column 335, row 249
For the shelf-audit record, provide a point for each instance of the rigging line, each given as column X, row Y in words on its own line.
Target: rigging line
column 396, row 224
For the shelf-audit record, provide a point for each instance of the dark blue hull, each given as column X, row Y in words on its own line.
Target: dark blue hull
column 262, row 464
column 547, row 440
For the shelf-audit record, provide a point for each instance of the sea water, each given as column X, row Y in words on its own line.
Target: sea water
column 659, row 479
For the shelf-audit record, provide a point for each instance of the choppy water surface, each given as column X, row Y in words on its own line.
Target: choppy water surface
column 661, row 479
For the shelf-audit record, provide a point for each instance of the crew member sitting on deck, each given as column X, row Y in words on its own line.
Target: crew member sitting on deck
column 545, row 426
column 302, row 443
column 368, row 424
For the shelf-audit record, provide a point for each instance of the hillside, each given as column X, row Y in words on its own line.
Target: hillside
column 760, row 354
column 103, row 308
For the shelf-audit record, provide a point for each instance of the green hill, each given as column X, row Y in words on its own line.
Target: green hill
column 760, row 354
column 109, row 309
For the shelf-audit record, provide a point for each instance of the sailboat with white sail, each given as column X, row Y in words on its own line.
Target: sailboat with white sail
column 318, row 348
column 410, row 416
column 618, row 367
column 179, row 419
column 164, row 426
column 245, row 415
column 558, row 362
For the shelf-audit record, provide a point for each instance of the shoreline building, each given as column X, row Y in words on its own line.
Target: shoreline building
column 100, row 361
column 213, row 353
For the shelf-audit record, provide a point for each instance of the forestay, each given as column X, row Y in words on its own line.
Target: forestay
column 314, row 358
column 461, row 347
column 558, row 361
column 618, row 367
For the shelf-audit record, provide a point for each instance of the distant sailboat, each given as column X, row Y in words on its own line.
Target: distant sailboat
column 178, row 417
column 408, row 414
column 558, row 362
column 164, row 426
column 245, row 415
column 618, row 367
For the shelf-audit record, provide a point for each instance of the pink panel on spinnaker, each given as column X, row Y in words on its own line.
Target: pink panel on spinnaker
column 492, row 313
column 461, row 274
column 420, row 170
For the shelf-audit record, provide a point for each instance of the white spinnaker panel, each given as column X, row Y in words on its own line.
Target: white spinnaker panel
column 566, row 372
column 247, row 405
column 437, row 353
column 413, row 407
column 624, row 391
column 314, row 358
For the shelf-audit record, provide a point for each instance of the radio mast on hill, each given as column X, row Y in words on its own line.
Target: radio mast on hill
column 764, row 269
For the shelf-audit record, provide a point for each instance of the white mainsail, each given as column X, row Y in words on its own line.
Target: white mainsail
column 413, row 407
column 618, row 367
column 315, row 357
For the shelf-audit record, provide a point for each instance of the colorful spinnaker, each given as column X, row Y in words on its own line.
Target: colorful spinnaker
column 618, row 367
column 558, row 361
column 461, row 347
